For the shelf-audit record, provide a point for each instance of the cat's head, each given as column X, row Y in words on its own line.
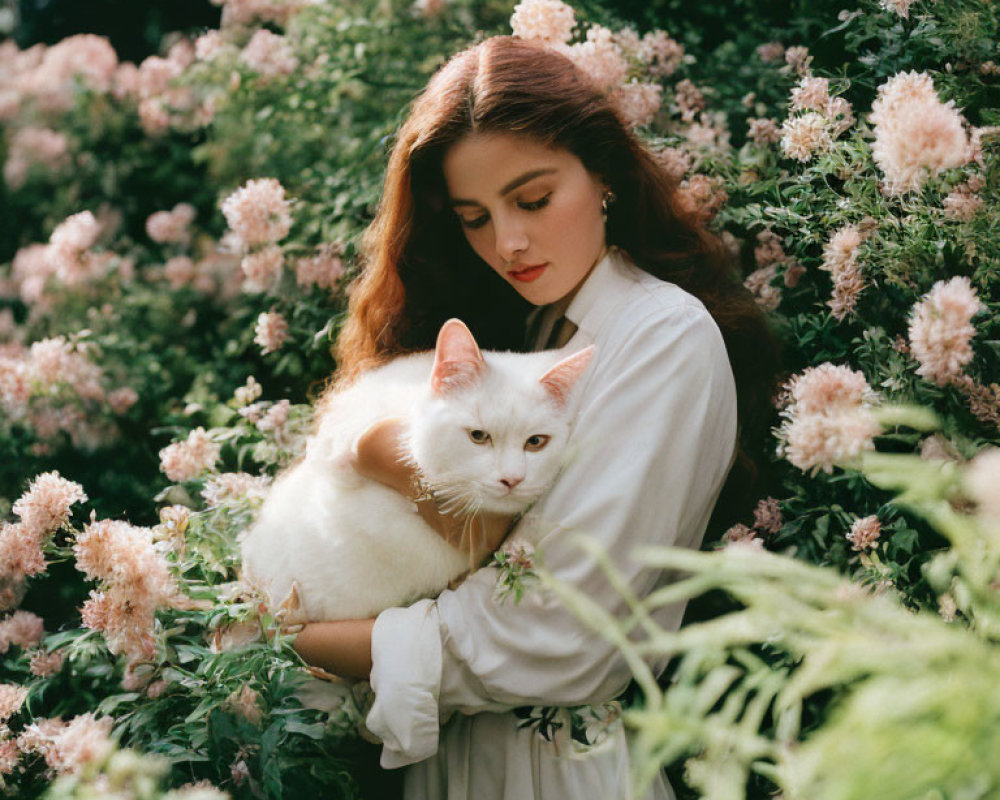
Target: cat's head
column 493, row 431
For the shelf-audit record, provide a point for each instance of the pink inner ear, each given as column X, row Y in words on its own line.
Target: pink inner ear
column 560, row 379
column 457, row 360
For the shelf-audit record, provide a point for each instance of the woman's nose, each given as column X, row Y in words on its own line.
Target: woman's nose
column 511, row 239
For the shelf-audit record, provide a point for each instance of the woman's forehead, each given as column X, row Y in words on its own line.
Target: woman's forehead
column 491, row 165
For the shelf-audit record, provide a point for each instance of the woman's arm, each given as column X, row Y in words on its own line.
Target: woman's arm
column 343, row 648
column 377, row 456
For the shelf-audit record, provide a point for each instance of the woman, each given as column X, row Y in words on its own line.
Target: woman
column 510, row 157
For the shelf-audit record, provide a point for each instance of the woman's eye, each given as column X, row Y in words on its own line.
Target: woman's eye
column 534, row 205
column 478, row 222
column 536, row 442
column 479, row 437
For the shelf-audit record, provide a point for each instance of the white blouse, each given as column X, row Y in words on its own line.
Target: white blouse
column 654, row 439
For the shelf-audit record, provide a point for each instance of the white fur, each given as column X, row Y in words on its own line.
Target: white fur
column 352, row 547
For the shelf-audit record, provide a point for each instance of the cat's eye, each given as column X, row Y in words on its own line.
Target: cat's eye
column 536, row 442
column 479, row 437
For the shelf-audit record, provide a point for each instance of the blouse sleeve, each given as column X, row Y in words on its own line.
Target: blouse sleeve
column 654, row 439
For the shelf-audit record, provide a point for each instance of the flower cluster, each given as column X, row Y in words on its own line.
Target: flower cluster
column 43, row 509
column 182, row 461
column 68, row 747
column 171, row 226
column 840, row 259
column 864, row 533
column 828, row 420
column 941, row 330
column 915, row 133
column 271, row 332
column 49, row 78
column 135, row 580
column 617, row 63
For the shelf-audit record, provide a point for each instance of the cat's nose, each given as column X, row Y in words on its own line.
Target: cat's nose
column 510, row 483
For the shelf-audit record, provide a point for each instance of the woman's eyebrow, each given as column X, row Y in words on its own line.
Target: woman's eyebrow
column 520, row 180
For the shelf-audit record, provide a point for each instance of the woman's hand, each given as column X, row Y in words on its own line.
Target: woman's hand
column 379, row 454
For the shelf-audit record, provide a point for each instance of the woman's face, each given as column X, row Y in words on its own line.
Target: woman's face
column 533, row 213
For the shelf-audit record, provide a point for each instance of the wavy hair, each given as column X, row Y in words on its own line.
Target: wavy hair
column 419, row 270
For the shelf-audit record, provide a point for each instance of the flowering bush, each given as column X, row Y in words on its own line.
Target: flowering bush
column 177, row 237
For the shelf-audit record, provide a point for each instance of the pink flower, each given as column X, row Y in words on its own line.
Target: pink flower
column 864, row 533
column 763, row 131
column 231, row 487
column 771, row 52
column 740, row 534
column 798, row 59
column 819, row 441
column 941, row 330
column 86, row 58
column 840, row 259
column 768, row 297
column 828, row 386
column 638, row 102
column 45, row 665
column 262, row 268
column 258, row 212
column 185, row 460
column 76, row 233
column 135, row 579
column 10, row 756
column 674, row 161
column 901, row 7
column 21, row 556
column 208, row 45
column 22, row 629
column 804, row 136
column 12, row 697
column 828, row 421
column 962, row 203
column 767, row 516
column 915, row 133
column 271, row 332
column 769, row 249
column 702, row 196
column 269, row 54
column 840, row 113
column 661, row 54
column 244, row 703
column 324, row 270
column 171, row 226
column 122, row 399
column 69, row 747
column 430, row 8
column 275, row 418
column 34, row 146
column 179, row 271
column 550, row 21
column 44, row 507
column 811, row 94
column 688, row 100
column 250, row 391
column 600, row 58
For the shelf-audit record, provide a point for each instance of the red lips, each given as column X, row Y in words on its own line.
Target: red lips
column 527, row 274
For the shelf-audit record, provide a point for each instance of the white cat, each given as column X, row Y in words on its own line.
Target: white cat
column 487, row 431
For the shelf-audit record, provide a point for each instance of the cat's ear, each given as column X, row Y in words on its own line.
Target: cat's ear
column 457, row 360
column 560, row 380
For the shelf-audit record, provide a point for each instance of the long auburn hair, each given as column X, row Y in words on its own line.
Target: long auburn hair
column 419, row 270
